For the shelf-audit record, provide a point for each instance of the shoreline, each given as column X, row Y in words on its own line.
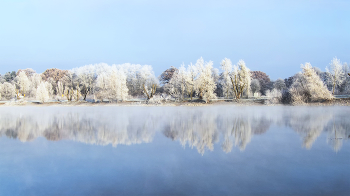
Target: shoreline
column 334, row 102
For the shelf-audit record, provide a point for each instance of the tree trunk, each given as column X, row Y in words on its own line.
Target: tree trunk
column 191, row 93
column 146, row 92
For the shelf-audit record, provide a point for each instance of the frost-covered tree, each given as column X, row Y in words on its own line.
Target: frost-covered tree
column 117, row 84
column 264, row 80
column 10, row 76
column 274, row 96
column 49, row 88
column 141, row 80
column 86, row 76
column 240, row 79
column 8, row 90
column 198, row 85
column 69, row 80
column 42, row 92
column 255, row 86
column 217, row 79
column 173, row 87
column 60, row 90
column 132, row 74
column 289, row 81
column 2, row 80
column 226, row 66
column 148, row 81
column 176, row 86
column 318, row 71
column 166, row 76
column 102, row 84
column 199, row 78
column 335, row 74
column 23, row 83
column 279, row 84
column 205, row 84
column 345, row 86
column 71, row 85
column 29, row 72
column 35, row 81
column 112, row 85
column 191, row 77
column 274, row 93
column 308, row 86
column 54, row 75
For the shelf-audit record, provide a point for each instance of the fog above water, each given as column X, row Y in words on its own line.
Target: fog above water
column 195, row 127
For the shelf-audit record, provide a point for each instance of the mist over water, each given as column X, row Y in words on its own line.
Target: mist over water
column 220, row 150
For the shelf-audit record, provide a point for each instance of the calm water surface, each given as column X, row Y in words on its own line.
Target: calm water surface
column 214, row 150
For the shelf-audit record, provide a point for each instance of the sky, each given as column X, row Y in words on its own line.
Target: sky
column 272, row 36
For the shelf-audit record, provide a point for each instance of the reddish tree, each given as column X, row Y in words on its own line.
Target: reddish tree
column 264, row 80
column 165, row 77
column 54, row 73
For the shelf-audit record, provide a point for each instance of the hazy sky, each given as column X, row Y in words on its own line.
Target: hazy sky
column 271, row 36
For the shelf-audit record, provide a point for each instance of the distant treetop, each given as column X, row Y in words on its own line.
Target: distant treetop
column 54, row 73
column 263, row 78
column 165, row 77
column 29, row 71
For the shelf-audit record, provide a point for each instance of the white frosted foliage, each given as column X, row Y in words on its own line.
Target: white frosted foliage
column 240, row 79
column 118, row 88
column 177, row 85
column 226, row 66
column 335, row 73
column 42, row 92
column 7, row 90
column 23, row 82
column 205, row 84
column 112, row 85
column 308, row 86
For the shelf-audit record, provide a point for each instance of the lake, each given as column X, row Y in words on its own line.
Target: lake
column 209, row 150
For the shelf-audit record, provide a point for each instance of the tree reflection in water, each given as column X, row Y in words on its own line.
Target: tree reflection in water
column 199, row 127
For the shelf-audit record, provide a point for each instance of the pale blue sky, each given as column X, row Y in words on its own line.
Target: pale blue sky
column 271, row 36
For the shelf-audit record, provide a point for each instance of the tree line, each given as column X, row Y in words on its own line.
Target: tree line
column 199, row 81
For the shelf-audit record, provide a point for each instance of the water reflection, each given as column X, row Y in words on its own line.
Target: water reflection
column 338, row 130
column 198, row 128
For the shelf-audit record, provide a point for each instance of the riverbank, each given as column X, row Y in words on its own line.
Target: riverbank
column 242, row 102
